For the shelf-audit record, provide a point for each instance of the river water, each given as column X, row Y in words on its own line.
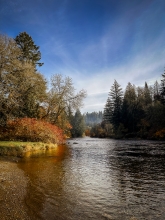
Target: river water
column 93, row 178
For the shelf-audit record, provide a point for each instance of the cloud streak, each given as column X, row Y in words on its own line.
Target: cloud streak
column 93, row 42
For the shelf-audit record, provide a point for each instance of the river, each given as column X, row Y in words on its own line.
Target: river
column 88, row 178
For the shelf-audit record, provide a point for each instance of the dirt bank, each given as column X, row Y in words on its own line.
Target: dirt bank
column 13, row 184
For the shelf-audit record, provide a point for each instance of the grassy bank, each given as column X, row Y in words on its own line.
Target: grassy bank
column 18, row 149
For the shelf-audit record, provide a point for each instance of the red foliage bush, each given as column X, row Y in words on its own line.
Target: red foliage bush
column 160, row 134
column 31, row 129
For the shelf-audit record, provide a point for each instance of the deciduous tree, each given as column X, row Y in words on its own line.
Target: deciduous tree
column 21, row 87
column 62, row 99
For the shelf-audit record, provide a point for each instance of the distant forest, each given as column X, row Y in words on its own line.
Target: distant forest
column 139, row 112
column 93, row 118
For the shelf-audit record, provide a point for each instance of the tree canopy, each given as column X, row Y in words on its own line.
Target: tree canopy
column 139, row 114
column 24, row 92
column 22, row 89
column 30, row 51
column 62, row 99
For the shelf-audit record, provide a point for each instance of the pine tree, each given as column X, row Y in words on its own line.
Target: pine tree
column 116, row 96
column 93, row 118
column 30, row 52
column 156, row 92
column 108, row 111
column 129, row 108
column 78, row 124
column 162, row 89
column 147, row 95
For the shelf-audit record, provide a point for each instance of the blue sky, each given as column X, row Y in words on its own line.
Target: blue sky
column 93, row 41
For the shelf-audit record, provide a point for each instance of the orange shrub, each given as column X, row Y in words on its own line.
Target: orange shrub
column 160, row 133
column 87, row 132
column 31, row 129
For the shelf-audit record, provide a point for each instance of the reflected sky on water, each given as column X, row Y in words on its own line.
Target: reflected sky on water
column 97, row 179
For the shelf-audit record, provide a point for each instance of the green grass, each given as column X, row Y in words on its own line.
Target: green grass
column 19, row 143
column 19, row 148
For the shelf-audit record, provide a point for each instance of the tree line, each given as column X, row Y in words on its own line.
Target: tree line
column 139, row 112
column 25, row 94
column 93, row 118
column 24, row 91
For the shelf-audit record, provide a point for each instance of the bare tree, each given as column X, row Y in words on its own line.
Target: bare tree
column 62, row 99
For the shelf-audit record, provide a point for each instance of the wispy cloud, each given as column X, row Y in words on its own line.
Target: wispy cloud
column 93, row 42
column 146, row 66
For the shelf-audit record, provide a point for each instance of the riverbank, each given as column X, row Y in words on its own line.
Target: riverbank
column 13, row 185
column 129, row 182
column 19, row 149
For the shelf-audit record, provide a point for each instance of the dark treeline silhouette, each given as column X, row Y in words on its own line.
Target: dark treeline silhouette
column 139, row 112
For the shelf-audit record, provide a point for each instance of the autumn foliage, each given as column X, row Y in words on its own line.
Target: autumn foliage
column 160, row 134
column 31, row 129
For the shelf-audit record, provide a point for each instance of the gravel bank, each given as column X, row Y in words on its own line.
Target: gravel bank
column 13, row 184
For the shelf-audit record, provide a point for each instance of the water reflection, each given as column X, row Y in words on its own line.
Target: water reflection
column 141, row 175
column 97, row 179
column 45, row 173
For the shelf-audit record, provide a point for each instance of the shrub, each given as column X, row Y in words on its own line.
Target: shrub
column 31, row 129
column 160, row 134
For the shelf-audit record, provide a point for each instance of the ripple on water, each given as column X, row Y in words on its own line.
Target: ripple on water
column 95, row 179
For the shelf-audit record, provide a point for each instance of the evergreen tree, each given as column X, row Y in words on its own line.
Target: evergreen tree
column 93, row 118
column 108, row 111
column 30, row 52
column 129, row 108
column 147, row 95
column 156, row 92
column 78, row 124
column 162, row 89
column 116, row 95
